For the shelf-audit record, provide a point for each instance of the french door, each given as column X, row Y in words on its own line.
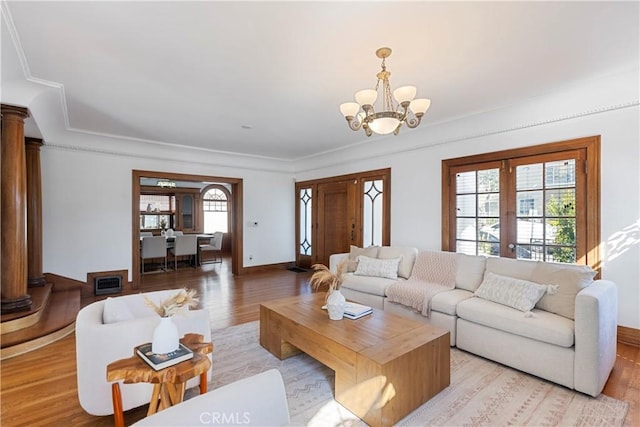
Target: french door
column 538, row 203
column 334, row 213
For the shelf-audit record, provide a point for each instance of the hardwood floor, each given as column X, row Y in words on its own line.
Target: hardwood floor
column 39, row 388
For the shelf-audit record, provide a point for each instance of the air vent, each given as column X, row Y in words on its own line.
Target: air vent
column 108, row 285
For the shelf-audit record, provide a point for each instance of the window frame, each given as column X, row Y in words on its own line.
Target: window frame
column 590, row 147
column 227, row 194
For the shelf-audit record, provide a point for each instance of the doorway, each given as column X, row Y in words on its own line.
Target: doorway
column 334, row 213
column 235, row 218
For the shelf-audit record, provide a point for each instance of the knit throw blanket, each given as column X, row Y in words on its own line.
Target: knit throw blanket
column 433, row 272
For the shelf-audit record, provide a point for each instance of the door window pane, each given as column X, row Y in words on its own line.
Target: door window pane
column 478, row 212
column 546, row 226
column 304, row 245
column 372, row 204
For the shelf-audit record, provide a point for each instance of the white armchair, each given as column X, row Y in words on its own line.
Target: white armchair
column 259, row 400
column 108, row 330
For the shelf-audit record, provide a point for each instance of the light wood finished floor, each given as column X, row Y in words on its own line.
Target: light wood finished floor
column 39, row 388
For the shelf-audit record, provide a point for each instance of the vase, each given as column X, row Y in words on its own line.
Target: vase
column 165, row 337
column 335, row 304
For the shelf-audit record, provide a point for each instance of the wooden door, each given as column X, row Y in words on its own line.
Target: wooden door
column 336, row 219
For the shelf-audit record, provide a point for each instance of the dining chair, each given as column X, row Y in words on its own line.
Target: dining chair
column 146, row 234
column 186, row 244
column 178, row 233
column 154, row 247
column 215, row 246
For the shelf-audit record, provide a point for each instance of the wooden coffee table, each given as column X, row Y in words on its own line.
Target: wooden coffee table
column 385, row 365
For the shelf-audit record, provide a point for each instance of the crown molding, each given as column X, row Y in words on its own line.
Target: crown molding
column 345, row 160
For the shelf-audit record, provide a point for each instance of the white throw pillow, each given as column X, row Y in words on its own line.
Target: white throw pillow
column 387, row 268
column 516, row 293
column 570, row 278
column 116, row 310
column 355, row 252
column 406, row 254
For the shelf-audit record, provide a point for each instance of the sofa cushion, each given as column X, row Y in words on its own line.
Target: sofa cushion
column 469, row 271
column 387, row 268
column 446, row 302
column 354, row 252
column 366, row 284
column 519, row 294
column 408, row 255
column 541, row 325
column 116, row 310
column 570, row 279
column 517, row 268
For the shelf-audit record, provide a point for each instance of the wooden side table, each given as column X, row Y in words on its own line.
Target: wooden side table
column 168, row 384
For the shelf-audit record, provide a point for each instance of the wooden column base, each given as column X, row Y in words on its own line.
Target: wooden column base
column 15, row 304
column 36, row 281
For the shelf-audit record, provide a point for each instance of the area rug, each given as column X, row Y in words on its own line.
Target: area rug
column 482, row 393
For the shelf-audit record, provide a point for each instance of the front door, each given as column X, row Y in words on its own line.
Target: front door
column 336, row 219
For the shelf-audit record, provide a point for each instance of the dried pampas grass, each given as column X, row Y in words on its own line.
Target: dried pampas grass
column 323, row 277
column 172, row 305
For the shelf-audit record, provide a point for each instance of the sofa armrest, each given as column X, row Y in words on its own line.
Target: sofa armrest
column 335, row 260
column 259, row 400
column 596, row 318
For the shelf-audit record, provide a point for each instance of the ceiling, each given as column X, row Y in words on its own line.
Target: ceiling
column 266, row 78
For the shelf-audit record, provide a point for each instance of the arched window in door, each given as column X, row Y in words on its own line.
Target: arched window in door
column 215, row 205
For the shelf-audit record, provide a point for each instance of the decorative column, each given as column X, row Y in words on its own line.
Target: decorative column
column 13, row 195
column 35, row 277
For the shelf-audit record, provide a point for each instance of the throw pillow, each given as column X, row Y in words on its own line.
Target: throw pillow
column 355, row 252
column 570, row 279
column 387, row 268
column 407, row 254
column 115, row 310
column 516, row 293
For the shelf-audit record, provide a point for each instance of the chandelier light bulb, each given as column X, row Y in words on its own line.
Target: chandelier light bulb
column 366, row 97
column 349, row 109
column 405, row 94
column 384, row 125
column 419, row 106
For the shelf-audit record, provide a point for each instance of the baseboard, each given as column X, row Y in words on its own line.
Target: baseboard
column 629, row 336
column 267, row 267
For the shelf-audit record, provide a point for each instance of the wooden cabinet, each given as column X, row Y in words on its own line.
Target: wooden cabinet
column 188, row 212
column 178, row 208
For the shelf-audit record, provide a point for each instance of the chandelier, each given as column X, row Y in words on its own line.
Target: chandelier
column 361, row 114
column 165, row 183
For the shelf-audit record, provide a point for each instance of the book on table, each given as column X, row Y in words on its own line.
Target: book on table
column 354, row 311
column 161, row 361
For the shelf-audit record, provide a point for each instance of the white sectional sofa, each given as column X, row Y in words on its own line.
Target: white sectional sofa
column 569, row 337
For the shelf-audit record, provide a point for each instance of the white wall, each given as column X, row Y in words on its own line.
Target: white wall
column 86, row 197
column 606, row 107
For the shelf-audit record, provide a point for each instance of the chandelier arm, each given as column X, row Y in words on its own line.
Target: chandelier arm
column 413, row 122
column 353, row 124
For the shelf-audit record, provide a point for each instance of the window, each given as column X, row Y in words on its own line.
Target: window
column 539, row 203
column 216, row 212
